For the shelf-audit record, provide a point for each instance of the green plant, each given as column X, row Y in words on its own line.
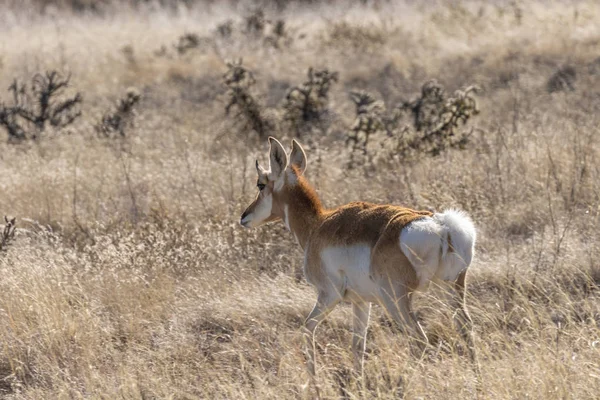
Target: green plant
column 40, row 105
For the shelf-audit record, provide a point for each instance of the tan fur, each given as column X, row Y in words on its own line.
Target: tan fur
column 378, row 226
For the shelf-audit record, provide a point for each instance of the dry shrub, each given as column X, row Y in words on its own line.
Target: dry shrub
column 437, row 119
column 255, row 28
column 255, row 22
column 369, row 120
column 250, row 114
column 122, row 117
column 187, row 42
column 307, row 104
column 562, row 80
column 8, row 233
column 38, row 106
column 436, row 122
column 345, row 35
column 225, row 29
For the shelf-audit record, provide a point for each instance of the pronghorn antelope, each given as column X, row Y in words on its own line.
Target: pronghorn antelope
column 362, row 252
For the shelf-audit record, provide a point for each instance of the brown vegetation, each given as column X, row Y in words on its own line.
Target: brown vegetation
column 129, row 277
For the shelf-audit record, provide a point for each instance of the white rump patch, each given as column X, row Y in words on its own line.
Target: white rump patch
column 460, row 243
column 421, row 243
column 439, row 247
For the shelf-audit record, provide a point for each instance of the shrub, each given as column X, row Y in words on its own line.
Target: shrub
column 256, row 26
column 426, row 108
column 278, row 36
column 8, row 233
column 121, row 117
column 369, row 120
column 191, row 41
column 562, row 80
column 187, row 42
column 309, row 101
column 42, row 104
column 436, row 119
column 250, row 113
column 225, row 29
column 255, row 22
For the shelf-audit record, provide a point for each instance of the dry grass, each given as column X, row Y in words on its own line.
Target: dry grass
column 129, row 277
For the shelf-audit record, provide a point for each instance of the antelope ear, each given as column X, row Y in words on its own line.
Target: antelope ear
column 278, row 158
column 298, row 157
column 259, row 169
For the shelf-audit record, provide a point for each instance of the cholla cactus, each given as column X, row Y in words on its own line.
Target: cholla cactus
column 369, row 119
column 238, row 76
column 436, row 118
column 308, row 102
column 42, row 104
column 426, row 109
column 239, row 81
column 458, row 108
column 122, row 117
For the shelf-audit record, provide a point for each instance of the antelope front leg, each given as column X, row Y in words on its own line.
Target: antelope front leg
column 359, row 334
column 325, row 303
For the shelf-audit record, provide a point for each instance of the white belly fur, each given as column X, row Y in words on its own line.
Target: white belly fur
column 351, row 264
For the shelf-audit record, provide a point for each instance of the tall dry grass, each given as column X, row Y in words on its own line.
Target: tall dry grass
column 130, row 278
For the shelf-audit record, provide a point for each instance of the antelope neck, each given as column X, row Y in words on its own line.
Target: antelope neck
column 302, row 210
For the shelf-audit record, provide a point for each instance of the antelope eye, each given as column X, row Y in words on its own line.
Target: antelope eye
column 260, row 186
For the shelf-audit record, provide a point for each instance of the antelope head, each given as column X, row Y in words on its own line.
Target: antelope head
column 283, row 172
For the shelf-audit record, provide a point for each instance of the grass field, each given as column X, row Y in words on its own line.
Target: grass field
column 130, row 277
